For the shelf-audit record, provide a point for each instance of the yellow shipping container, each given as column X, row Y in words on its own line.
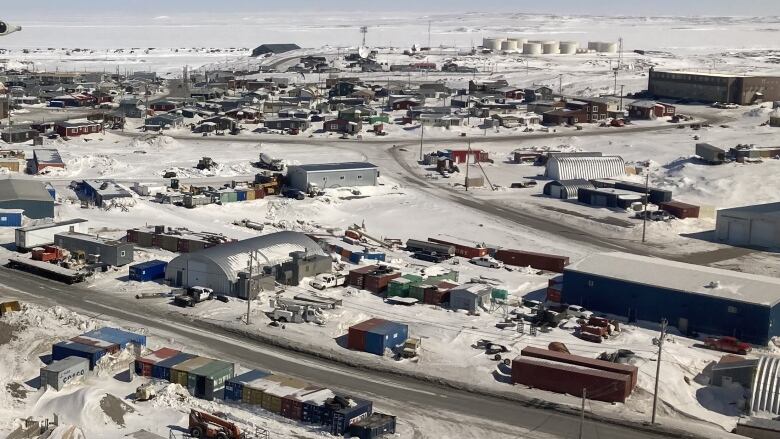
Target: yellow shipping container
column 179, row 377
column 250, row 194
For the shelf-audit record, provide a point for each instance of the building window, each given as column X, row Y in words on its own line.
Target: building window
column 359, row 177
column 122, row 253
column 341, row 178
column 733, row 310
column 3, row 218
column 591, row 284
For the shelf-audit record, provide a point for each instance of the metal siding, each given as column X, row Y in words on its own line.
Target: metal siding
column 705, row 314
column 763, row 233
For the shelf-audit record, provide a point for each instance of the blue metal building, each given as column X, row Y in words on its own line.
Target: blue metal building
column 694, row 299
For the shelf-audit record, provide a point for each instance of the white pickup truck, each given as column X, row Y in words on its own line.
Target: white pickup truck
column 328, row 280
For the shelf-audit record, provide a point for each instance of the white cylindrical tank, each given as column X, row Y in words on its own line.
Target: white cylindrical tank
column 608, row 47
column 569, row 47
column 532, row 49
column 492, row 43
column 509, row 45
column 550, row 48
column 521, row 41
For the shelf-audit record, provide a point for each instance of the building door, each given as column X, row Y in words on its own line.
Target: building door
column 555, row 191
column 738, row 232
column 600, row 200
column 197, row 274
column 762, row 234
column 179, row 278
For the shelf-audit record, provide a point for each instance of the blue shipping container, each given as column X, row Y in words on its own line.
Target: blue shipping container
column 147, row 271
column 234, row 387
column 374, row 256
column 118, row 336
column 312, row 413
column 385, row 335
column 162, row 370
column 11, row 217
column 343, row 418
column 241, row 195
column 66, row 349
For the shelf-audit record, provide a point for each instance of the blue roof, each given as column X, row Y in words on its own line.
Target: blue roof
column 147, row 264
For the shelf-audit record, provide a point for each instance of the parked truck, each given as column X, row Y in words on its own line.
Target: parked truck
column 298, row 314
column 328, row 280
column 270, row 163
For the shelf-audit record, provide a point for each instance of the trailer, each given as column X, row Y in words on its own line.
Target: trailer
column 417, row 246
column 45, row 269
column 41, row 235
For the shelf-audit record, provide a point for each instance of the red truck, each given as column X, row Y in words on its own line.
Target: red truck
column 727, row 344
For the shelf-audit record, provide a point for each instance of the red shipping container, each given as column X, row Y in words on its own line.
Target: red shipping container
column 562, row 357
column 598, row 321
column 111, row 348
column 183, row 246
column 595, row 330
column 378, row 284
column 132, row 236
column 433, row 296
column 146, row 369
column 562, row 378
column 356, row 337
column 680, row 210
column 539, row 261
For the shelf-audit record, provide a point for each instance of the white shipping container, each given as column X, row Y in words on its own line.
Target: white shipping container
column 61, row 373
column 43, row 234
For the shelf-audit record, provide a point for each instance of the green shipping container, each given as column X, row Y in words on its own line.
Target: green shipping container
column 398, row 287
column 452, row 275
column 499, row 294
column 418, row 292
column 179, row 373
column 413, row 277
column 232, row 197
column 210, row 378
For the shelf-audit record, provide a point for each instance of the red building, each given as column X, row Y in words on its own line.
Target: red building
column 162, row 106
column 650, row 110
column 459, row 156
column 405, row 104
column 68, row 129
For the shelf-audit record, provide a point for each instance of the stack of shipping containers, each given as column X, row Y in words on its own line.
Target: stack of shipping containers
column 539, row 261
column 376, row 335
column 90, row 351
column 203, row 377
column 144, row 366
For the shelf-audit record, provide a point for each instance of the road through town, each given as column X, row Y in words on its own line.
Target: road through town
column 495, row 416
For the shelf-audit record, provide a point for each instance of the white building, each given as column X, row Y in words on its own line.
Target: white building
column 756, row 226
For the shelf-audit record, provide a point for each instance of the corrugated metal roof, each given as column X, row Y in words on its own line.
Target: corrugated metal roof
column 694, row 279
column 346, row 166
column 12, row 189
column 274, row 248
column 571, row 168
column 756, row 210
column 47, row 156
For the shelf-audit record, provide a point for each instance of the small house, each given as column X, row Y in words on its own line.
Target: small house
column 342, row 126
column 18, row 134
column 164, row 121
column 76, row 129
column 287, row 123
column 46, row 158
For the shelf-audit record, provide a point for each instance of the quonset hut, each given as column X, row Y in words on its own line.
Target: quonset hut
column 586, row 168
column 225, row 268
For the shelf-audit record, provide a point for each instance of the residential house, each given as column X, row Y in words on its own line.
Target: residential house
column 163, row 106
column 342, row 126
column 130, row 107
column 518, row 120
column 565, row 116
column 293, row 113
column 434, row 90
column 164, row 121
column 649, row 110
column 18, row 134
column 75, row 129
column 542, row 93
column 342, row 88
column 405, row 104
column 287, row 123
column 222, row 123
column 510, row 92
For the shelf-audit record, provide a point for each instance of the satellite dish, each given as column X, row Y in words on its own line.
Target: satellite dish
column 7, row 28
column 364, row 51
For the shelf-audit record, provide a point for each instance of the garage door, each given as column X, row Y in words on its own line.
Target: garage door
column 762, row 234
column 599, row 200
column 555, row 191
column 738, row 232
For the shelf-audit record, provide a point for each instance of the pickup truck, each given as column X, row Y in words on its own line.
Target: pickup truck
column 727, row 344
column 328, row 280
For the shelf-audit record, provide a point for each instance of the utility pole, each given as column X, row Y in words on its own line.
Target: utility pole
column 658, row 366
column 644, row 213
column 468, row 153
column 422, row 137
column 560, row 85
column 582, row 411
column 249, row 286
column 621, row 96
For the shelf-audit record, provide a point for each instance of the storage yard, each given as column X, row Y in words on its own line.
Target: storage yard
column 364, row 241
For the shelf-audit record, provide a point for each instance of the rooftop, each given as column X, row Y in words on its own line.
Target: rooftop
column 695, row 279
column 107, row 188
column 49, row 225
column 90, row 238
column 12, row 189
column 346, row 166
column 47, row 156
column 766, row 210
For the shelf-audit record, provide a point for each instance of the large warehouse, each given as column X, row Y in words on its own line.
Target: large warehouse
column 755, row 226
column 225, row 267
column 333, row 175
column 714, row 87
column 693, row 298
column 28, row 195
column 584, row 168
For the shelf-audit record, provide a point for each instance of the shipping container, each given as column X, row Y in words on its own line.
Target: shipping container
column 313, row 406
column 434, row 296
column 250, row 195
column 356, row 336
column 539, row 261
column 162, row 370
column 208, row 380
column 463, row 250
column 398, row 287
column 148, row 271
column 386, row 335
column 180, row 372
column 342, row 418
column 144, row 366
column 118, row 336
column 553, row 295
column 562, row 378
column 418, row 291
column 576, row 360
column 375, row 426
column 358, row 275
column 654, row 195
column 66, row 349
column 681, row 210
column 234, row 387
column 60, row 373
column 272, row 396
column 292, row 405
column 241, row 195
column 254, row 392
column 109, row 347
